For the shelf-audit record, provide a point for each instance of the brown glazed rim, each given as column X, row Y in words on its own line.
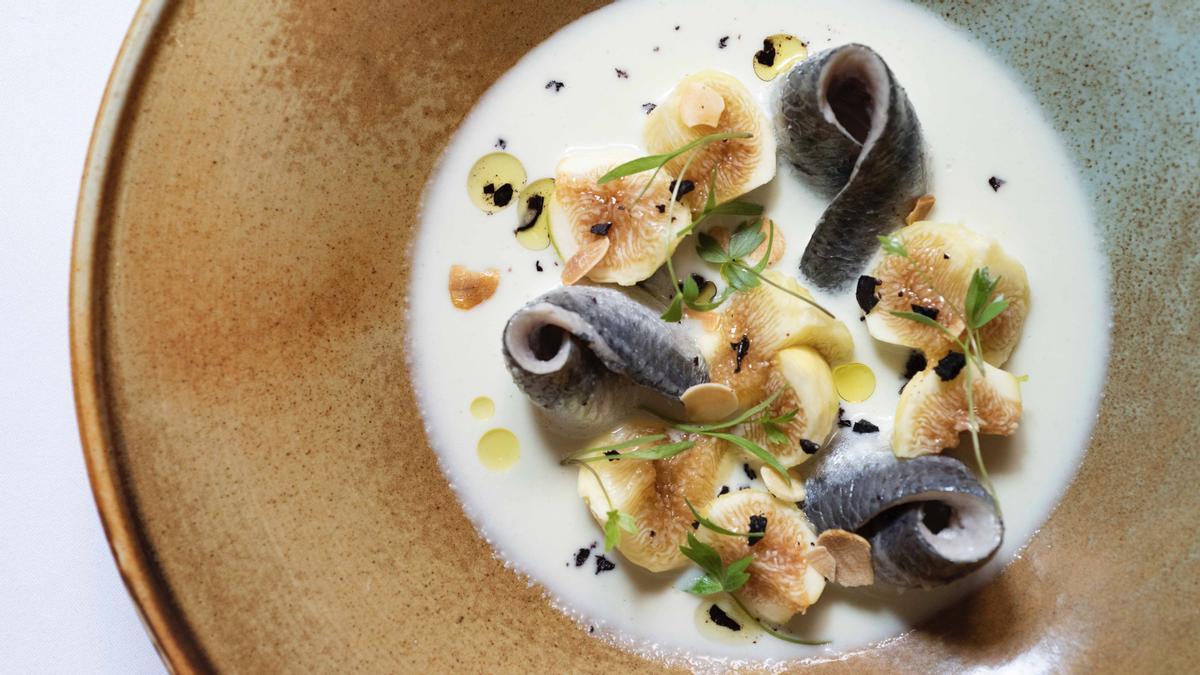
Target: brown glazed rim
column 168, row 631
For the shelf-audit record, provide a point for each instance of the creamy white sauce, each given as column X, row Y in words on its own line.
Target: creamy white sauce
column 978, row 122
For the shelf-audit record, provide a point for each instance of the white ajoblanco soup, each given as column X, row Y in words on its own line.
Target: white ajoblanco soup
column 978, row 123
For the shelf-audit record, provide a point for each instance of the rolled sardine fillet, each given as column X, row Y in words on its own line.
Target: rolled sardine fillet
column 587, row 356
column 928, row 519
column 847, row 127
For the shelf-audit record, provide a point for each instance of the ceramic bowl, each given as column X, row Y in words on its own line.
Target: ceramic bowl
column 237, row 329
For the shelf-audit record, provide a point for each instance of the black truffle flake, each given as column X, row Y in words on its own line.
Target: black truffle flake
column 695, row 524
column 537, row 264
column 503, row 195
column 724, row 490
column 916, row 363
column 489, row 189
column 648, row 108
column 612, row 455
column 662, row 208
column 864, row 427
column 621, row 74
column 749, row 472
column 695, row 360
column 766, row 55
column 719, row 617
column 996, row 183
column 555, row 85
column 930, row 312
column 950, row 366
column 581, row 556
column 809, row 447
column 740, row 349
column 536, row 204
column 501, row 143
column 685, row 187
column 758, row 525
column 604, row 564
column 865, row 292
column 601, row 229
column 723, row 42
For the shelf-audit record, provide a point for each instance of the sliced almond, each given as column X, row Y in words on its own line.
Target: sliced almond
column 584, row 260
column 821, row 560
column 469, row 288
column 700, row 105
column 778, row 487
column 852, row 554
column 920, row 210
column 709, row 402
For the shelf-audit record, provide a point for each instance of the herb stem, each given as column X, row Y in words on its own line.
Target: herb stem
column 973, row 421
column 600, row 482
column 758, row 274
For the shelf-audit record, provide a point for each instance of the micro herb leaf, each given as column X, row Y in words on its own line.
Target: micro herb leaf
column 922, row 319
column 893, row 245
column 652, row 453
column 746, row 239
column 706, row 585
column 674, row 311
column 703, row 555
column 754, row 449
column 691, row 290
column 732, row 422
column 658, row 161
column 717, row 577
column 614, row 524
column 766, row 256
column 709, row 525
column 710, row 249
column 600, row 450
column 775, row 435
column 735, row 207
column 990, row 312
column 710, row 202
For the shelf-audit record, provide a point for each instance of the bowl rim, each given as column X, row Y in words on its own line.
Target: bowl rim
column 172, row 638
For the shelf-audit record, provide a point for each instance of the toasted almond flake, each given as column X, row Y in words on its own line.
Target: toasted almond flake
column 709, row 402
column 710, row 321
column 776, row 485
column 469, row 288
column 584, row 260
column 821, row 560
column 852, row 554
column 920, row 210
column 700, row 105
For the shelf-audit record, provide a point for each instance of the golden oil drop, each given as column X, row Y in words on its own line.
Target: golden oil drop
column 778, row 54
column 498, row 449
column 482, row 408
column 855, row 382
column 533, row 214
column 495, row 181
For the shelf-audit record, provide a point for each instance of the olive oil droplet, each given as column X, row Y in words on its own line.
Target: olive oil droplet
column 855, row 382
column 779, row 53
column 495, row 181
column 533, row 214
column 482, row 408
column 499, row 449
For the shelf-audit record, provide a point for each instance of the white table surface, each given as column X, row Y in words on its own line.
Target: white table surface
column 63, row 608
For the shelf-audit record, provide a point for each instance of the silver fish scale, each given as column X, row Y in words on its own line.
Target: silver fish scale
column 872, row 186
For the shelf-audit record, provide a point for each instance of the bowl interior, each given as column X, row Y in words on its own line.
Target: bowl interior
column 238, row 328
